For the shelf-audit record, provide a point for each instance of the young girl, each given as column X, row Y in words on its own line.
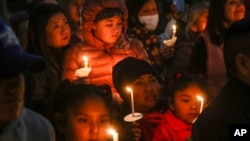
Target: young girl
column 105, row 42
column 82, row 112
column 184, row 107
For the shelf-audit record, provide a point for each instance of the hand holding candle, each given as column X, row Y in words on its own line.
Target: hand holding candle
column 171, row 42
column 114, row 134
column 133, row 116
column 85, row 70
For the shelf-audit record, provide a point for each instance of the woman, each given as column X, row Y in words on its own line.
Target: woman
column 48, row 36
column 207, row 57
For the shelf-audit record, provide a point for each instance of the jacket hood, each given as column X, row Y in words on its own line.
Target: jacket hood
column 89, row 13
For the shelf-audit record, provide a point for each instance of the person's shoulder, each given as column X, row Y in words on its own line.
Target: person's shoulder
column 79, row 47
column 34, row 118
column 39, row 126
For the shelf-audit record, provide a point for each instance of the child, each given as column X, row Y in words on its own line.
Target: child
column 105, row 42
column 82, row 112
column 184, row 106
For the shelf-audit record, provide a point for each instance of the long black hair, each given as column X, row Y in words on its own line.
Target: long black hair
column 37, row 44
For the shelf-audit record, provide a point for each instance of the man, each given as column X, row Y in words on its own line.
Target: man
column 232, row 106
column 142, row 78
column 16, row 122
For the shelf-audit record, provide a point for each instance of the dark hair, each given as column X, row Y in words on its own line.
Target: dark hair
column 236, row 41
column 108, row 13
column 68, row 94
column 38, row 21
column 183, row 80
column 215, row 21
column 135, row 6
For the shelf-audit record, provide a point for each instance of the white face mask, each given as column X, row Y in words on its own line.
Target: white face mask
column 150, row 22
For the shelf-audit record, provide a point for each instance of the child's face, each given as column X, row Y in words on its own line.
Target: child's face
column 185, row 104
column 108, row 30
column 146, row 90
column 58, row 31
column 88, row 121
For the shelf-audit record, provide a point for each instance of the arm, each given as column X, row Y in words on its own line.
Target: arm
column 70, row 64
column 138, row 49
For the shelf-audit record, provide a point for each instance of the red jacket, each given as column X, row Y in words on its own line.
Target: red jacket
column 173, row 130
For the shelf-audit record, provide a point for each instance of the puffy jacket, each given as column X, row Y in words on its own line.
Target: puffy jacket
column 101, row 56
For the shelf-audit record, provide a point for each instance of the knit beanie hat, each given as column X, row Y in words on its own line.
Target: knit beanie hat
column 128, row 70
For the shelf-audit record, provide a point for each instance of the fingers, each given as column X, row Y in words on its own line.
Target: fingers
column 137, row 133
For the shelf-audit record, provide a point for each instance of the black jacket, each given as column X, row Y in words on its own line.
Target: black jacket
column 232, row 106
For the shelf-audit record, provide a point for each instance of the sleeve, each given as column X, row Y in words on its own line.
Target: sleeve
column 198, row 58
column 210, row 128
column 70, row 65
column 140, row 52
column 161, row 133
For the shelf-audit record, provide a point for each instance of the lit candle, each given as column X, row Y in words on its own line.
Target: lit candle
column 85, row 59
column 201, row 100
column 114, row 134
column 132, row 100
column 174, row 31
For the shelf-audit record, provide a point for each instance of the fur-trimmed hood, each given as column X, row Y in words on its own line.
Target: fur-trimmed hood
column 89, row 13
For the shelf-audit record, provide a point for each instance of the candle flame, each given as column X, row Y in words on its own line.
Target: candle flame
column 129, row 89
column 199, row 98
column 85, row 58
column 111, row 131
column 174, row 27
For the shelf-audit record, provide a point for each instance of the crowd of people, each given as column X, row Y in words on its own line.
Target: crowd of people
column 152, row 70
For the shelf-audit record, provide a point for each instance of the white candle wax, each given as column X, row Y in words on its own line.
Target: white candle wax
column 132, row 100
column 202, row 102
column 85, row 59
column 174, row 31
column 114, row 134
